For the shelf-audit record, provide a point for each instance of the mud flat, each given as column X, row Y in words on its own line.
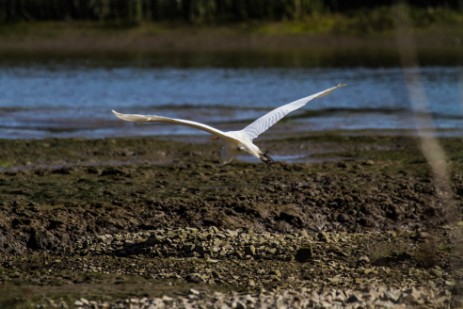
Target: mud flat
column 147, row 222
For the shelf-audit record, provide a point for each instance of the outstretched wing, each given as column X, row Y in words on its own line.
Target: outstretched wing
column 263, row 123
column 154, row 118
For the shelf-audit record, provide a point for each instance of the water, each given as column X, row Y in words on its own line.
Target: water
column 40, row 101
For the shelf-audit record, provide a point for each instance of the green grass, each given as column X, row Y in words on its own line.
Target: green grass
column 5, row 163
column 381, row 19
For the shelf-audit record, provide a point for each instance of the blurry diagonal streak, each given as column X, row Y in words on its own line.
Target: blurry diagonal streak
column 429, row 144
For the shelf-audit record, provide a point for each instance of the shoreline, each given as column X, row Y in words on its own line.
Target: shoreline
column 89, row 40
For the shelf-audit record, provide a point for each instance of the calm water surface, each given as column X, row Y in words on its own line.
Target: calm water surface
column 39, row 101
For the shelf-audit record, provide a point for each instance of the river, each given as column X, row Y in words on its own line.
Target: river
column 62, row 100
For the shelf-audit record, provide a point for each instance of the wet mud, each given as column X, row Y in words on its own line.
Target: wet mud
column 108, row 220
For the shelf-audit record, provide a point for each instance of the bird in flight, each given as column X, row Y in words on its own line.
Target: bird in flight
column 235, row 142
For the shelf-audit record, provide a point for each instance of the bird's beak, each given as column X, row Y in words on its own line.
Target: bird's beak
column 267, row 159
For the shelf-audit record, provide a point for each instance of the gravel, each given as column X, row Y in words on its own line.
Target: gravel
column 377, row 297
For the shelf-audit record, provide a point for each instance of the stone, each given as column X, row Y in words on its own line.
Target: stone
column 304, row 254
column 251, row 250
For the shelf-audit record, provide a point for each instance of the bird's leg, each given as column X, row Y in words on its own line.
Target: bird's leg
column 267, row 159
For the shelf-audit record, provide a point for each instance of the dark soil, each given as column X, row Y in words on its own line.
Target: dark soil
column 55, row 193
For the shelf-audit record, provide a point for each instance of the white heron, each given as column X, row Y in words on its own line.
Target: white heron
column 235, row 142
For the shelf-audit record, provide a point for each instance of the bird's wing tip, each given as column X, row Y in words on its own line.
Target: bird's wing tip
column 341, row 85
column 118, row 115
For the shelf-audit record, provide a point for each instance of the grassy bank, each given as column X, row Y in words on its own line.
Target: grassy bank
column 357, row 37
column 360, row 21
column 319, row 41
column 364, row 37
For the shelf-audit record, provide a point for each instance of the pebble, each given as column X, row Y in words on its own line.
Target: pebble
column 215, row 245
column 212, row 243
column 379, row 296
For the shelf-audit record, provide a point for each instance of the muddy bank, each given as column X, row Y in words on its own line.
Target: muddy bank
column 83, row 218
column 224, row 46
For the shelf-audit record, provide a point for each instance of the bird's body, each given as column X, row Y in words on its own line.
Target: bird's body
column 235, row 142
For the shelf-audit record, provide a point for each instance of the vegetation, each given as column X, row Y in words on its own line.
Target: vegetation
column 132, row 12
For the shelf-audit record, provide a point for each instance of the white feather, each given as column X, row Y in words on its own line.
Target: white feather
column 155, row 118
column 262, row 124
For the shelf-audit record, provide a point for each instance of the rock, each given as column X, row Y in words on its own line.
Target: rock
column 238, row 305
column 272, row 251
column 250, row 249
column 189, row 247
column 251, row 283
column 392, row 295
column 363, row 261
column 78, row 303
column 322, row 236
column 304, row 254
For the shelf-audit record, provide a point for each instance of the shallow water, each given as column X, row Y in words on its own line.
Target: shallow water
column 40, row 101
